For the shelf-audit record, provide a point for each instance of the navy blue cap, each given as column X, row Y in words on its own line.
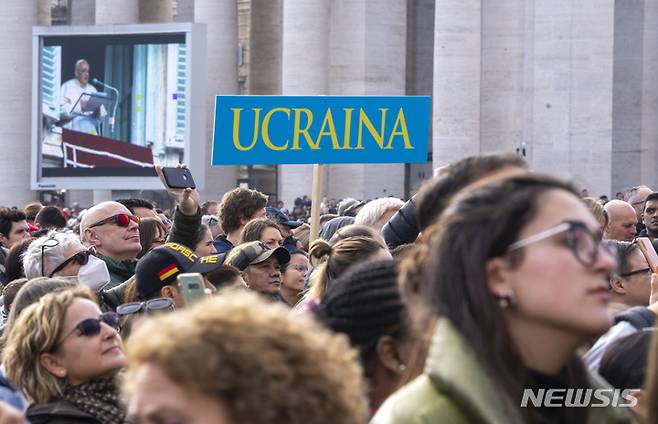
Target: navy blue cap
column 281, row 218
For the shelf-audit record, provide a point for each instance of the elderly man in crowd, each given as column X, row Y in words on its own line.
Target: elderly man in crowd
column 376, row 213
column 622, row 220
column 260, row 266
column 636, row 196
column 114, row 232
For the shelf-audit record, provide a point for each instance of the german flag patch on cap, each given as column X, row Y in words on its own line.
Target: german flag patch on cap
column 168, row 272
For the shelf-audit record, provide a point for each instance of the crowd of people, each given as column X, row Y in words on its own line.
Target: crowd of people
column 490, row 288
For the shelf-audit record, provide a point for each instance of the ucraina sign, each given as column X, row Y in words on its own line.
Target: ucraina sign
column 251, row 130
column 320, row 129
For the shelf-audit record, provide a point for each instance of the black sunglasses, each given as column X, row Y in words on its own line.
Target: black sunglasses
column 49, row 242
column 159, row 304
column 81, row 258
column 120, row 219
column 92, row 326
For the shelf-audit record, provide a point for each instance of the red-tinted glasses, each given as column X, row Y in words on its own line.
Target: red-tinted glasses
column 120, row 219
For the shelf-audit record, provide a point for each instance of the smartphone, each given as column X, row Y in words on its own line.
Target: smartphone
column 649, row 252
column 178, row 177
column 192, row 288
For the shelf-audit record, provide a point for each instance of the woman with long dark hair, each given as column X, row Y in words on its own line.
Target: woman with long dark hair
column 518, row 276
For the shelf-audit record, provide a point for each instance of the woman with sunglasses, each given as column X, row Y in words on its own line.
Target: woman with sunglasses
column 64, row 354
column 518, row 276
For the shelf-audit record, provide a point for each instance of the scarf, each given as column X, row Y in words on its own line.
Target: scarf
column 99, row 398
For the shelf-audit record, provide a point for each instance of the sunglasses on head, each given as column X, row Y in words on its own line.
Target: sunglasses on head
column 120, row 219
column 92, row 326
column 153, row 305
column 81, row 258
column 49, row 242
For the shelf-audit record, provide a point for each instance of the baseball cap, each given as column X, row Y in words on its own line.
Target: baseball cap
column 161, row 266
column 255, row 252
column 281, row 218
column 348, row 206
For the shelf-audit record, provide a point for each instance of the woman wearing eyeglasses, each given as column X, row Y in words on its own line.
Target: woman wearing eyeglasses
column 292, row 277
column 518, row 276
column 63, row 353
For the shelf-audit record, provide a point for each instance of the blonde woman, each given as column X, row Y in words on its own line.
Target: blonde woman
column 330, row 262
column 236, row 359
column 63, row 354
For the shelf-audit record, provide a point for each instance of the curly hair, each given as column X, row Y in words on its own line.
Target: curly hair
column 266, row 366
column 239, row 204
column 36, row 331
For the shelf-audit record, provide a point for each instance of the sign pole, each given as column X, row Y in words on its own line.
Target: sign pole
column 316, row 199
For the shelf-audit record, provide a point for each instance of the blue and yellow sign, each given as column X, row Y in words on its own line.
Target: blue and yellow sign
column 320, row 129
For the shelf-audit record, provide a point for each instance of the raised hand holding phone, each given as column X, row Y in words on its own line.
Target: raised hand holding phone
column 188, row 198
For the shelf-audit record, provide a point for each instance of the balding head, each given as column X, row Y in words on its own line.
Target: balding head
column 622, row 220
column 111, row 239
column 636, row 197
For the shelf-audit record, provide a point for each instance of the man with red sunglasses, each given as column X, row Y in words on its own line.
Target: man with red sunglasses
column 114, row 231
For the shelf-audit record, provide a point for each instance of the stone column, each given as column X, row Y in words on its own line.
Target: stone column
column 82, row 12
column 184, row 11
column 305, row 71
column 572, row 90
column 420, row 64
column 117, row 12
column 502, row 83
column 367, row 48
column 44, row 12
column 16, row 20
column 649, row 158
column 221, row 57
column 457, row 79
column 265, row 47
column 156, row 11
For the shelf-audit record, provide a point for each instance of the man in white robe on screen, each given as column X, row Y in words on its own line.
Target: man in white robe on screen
column 74, row 110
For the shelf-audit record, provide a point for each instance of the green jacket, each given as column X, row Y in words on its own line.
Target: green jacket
column 120, row 270
column 455, row 389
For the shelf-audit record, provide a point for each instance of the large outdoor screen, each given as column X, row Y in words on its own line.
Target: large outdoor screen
column 111, row 102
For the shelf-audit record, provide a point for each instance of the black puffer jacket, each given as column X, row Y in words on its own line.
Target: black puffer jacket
column 402, row 228
column 59, row 412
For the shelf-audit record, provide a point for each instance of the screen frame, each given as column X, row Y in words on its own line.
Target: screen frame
column 195, row 105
